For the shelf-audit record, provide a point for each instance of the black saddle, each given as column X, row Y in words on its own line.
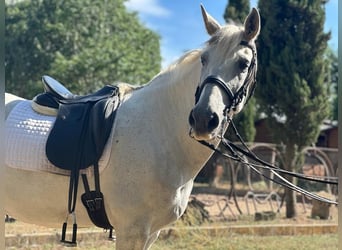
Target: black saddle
column 77, row 140
column 55, row 93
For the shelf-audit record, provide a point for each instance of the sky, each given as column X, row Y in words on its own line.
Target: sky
column 180, row 26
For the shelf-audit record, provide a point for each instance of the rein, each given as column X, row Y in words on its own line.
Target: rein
column 236, row 153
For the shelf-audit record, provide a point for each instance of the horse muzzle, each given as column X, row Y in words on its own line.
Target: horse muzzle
column 203, row 125
column 207, row 115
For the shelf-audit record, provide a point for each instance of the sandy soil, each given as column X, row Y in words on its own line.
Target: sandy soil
column 221, row 212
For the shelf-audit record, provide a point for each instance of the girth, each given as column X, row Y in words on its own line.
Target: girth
column 77, row 140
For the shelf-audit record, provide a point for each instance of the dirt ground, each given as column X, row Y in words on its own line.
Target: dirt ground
column 221, row 211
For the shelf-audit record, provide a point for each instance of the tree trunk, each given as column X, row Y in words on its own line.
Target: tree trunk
column 290, row 195
column 290, row 199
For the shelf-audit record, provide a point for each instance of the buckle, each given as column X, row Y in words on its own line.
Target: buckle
column 98, row 203
column 91, row 205
column 94, row 204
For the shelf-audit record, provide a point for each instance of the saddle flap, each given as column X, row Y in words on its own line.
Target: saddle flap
column 80, row 133
column 65, row 142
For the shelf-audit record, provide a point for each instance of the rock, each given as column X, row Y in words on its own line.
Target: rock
column 321, row 209
column 9, row 219
column 267, row 215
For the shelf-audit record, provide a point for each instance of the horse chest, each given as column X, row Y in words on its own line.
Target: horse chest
column 181, row 198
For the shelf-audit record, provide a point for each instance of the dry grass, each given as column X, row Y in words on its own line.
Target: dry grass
column 201, row 239
column 198, row 240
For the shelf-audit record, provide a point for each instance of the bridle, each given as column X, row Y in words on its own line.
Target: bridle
column 236, row 152
column 237, row 97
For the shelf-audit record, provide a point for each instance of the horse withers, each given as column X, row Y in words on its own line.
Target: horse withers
column 151, row 160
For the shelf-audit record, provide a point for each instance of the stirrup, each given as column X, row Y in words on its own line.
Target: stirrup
column 73, row 242
column 110, row 236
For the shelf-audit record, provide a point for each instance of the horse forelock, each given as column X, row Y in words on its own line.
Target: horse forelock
column 226, row 38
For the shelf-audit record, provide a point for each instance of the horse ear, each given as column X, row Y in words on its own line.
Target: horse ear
column 210, row 23
column 252, row 25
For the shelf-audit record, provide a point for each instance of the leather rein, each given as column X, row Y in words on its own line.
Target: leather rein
column 237, row 152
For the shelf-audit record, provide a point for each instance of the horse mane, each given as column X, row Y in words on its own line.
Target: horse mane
column 178, row 68
column 126, row 88
column 183, row 61
column 173, row 71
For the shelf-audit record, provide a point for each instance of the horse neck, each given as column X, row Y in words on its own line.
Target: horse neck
column 175, row 89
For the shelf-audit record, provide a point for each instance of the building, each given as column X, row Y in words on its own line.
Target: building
column 328, row 137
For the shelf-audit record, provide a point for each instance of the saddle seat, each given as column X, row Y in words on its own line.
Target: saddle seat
column 48, row 103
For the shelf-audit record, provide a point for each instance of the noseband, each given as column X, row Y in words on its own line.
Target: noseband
column 242, row 92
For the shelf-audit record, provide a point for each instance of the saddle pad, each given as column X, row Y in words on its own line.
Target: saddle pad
column 26, row 135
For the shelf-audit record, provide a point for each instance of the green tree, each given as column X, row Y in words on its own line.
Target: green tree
column 83, row 43
column 236, row 11
column 332, row 80
column 291, row 52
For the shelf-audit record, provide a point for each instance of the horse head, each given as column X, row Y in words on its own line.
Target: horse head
column 228, row 75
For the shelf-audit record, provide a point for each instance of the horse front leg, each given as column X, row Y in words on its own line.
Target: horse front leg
column 134, row 238
column 153, row 237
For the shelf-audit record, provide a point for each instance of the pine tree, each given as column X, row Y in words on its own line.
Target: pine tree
column 332, row 79
column 291, row 77
column 236, row 11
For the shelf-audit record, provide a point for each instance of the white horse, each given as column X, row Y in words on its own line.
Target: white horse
column 153, row 159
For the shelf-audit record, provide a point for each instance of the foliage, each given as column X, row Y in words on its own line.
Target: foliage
column 236, row 11
column 293, row 94
column 332, row 79
column 84, row 44
column 292, row 44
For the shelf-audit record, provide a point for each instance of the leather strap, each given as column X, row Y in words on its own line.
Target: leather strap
column 94, row 203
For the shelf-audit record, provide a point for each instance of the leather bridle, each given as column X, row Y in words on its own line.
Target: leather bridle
column 238, row 96
column 235, row 152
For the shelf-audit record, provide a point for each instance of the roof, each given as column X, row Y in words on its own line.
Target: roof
column 329, row 124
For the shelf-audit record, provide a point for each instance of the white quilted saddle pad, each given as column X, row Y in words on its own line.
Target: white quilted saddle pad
column 26, row 136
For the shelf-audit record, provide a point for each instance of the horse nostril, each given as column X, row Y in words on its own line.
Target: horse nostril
column 192, row 119
column 213, row 122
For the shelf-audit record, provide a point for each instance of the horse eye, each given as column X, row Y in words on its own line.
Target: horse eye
column 203, row 59
column 243, row 64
